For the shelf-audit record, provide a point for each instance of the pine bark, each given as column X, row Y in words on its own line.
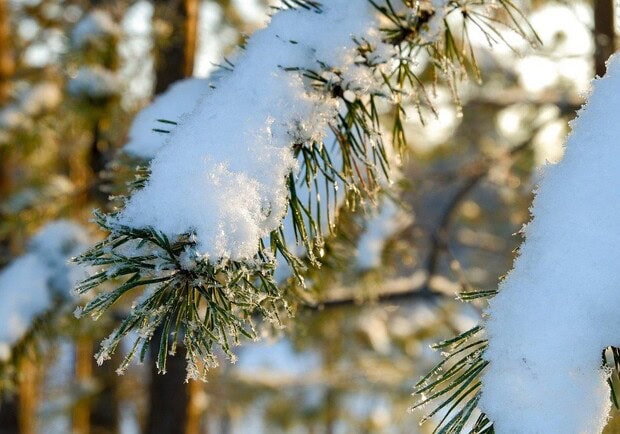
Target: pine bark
column 9, row 405
column 176, row 52
column 7, row 70
column 604, row 34
column 7, row 63
column 170, row 396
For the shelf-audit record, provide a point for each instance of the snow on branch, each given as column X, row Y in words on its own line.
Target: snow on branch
column 536, row 365
column 223, row 175
column 557, row 310
column 34, row 283
column 293, row 128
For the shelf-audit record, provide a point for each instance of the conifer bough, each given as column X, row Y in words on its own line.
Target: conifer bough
column 291, row 133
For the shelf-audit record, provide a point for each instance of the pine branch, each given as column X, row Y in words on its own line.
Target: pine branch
column 209, row 302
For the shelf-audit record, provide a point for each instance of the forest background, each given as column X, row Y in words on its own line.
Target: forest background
column 73, row 74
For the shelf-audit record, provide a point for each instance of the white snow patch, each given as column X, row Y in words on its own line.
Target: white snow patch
column 222, row 174
column 94, row 82
column 557, row 309
column 436, row 25
column 23, row 287
column 173, row 105
column 30, row 283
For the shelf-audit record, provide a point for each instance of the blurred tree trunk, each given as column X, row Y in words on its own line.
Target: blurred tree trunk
column 98, row 414
column 7, row 64
column 170, row 396
column 604, row 34
column 7, row 69
column 8, row 415
column 194, row 423
column 104, row 413
column 16, row 413
column 176, row 24
column 83, row 373
column 28, row 395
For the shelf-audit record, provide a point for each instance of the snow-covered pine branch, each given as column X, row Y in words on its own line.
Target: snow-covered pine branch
column 536, row 366
column 300, row 106
column 38, row 283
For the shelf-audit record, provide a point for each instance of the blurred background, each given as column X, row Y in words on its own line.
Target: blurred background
column 72, row 76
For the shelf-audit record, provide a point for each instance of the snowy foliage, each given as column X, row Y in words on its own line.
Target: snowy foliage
column 432, row 30
column 32, row 282
column 537, row 365
column 224, row 177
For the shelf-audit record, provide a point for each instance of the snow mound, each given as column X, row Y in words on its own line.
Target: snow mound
column 174, row 105
column 557, row 309
column 222, row 173
column 94, row 82
column 30, row 283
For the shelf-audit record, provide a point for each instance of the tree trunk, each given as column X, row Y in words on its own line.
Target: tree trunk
column 170, row 395
column 7, row 69
column 176, row 52
column 9, row 406
column 83, row 372
column 7, row 64
column 194, row 423
column 96, row 414
column 18, row 412
column 104, row 410
column 28, row 395
column 604, row 34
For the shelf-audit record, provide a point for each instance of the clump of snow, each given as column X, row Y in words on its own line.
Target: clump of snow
column 94, row 82
column 222, row 173
column 95, row 26
column 173, row 105
column 557, row 309
column 23, row 288
column 31, row 282
column 56, row 244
